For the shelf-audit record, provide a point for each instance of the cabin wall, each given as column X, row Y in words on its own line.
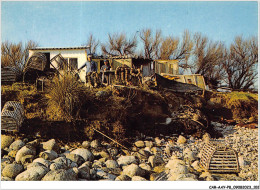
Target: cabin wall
column 70, row 53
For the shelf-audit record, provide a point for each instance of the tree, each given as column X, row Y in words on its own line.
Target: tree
column 208, row 56
column 168, row 47
column 92, row 43
column 15, row 54
column 185, row 47
column 240, row 61
column 119, row 44
column 151, row 43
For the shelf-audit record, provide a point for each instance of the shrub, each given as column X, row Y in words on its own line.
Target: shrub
column 65, row 97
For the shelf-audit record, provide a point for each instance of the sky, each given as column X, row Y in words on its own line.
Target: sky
column 66, row 24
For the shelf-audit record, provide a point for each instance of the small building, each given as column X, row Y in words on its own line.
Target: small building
column 75, row 57
column 167, row 66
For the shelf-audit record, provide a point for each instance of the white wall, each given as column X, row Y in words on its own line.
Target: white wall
column 70, row 53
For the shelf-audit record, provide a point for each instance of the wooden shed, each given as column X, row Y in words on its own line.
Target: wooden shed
column 12, row 116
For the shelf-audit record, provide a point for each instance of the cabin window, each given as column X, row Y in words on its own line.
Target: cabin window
column 73, row 63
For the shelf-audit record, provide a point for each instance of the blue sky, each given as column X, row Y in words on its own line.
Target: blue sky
column 62, row 24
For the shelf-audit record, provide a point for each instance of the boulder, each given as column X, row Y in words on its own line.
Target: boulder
column 206, row 137
column 155, row 160
column 104, row 175
column 57, row 166
column 142, row 154
column 145, row 166
column 27, row 159
column 75, row 158
column 48, row 155
column 16, row 145
column 123, row 178
column 148, row 144
column 86, row 144
column 32, row 174
column 84, row 172
column 126, row 160
column 181, row 139
column 12, row 153
column 95, row 144
column 51, row 145
column 188, row 155
column 84, row 153
column 138, row 178
column 12, row 170
column 133, row 170
column 173, row 162
column 61, row 175
column 156, row 150
column 111, row 164
column 6, row 178
column 196, row 166
column 139, row 144
column 185, row 177
column 6, row 141
column 34, row 164
column 104, row 154
column 26, row 150
column 44, row 162
column 241, row 162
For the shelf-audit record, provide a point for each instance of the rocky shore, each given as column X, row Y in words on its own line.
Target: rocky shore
column 173, row 158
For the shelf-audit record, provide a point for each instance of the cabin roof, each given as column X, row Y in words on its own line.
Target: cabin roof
column 60, row 48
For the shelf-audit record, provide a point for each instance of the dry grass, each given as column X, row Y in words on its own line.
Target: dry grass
column 65, row 98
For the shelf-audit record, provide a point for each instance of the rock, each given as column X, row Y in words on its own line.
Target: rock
column 86, row 144
column 32, row 174
column 84, row 153
column 12, row 153
column 6, row 141
column 62, row 161
column 206, row 138
column 34, row 164
column 113, row 152
column 95, row 144
column 186, row 177
column 155, row 160
column 26, row 150
column 34, row 143
column 126, row 160
column 145, row 166
column 148, row 144
column 61, row 175
column 133, row 170
column 57, row 166
column 157, row 141
column 142, row 154
column 44, row 162
column 27, row 159
column 173, row 162
column 181, row 139
column 97, row 164
column 48, row 155
column 157, row 151
column 75, row 158
column 205, row 175
column 188, row 155
column 179, row 169
column 84, row 172
column 51, row 145
column 103, row 175
column 111, row 164
column 104, row 154
column 123, row 178
column 168, row 120
column 196, row 166
column 16, row 145
column 138, row 178
column 6, row 178
column 139, row 144
column 12, row 170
